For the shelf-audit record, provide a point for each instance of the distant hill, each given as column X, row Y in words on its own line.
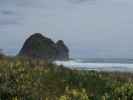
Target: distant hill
column 39, row 46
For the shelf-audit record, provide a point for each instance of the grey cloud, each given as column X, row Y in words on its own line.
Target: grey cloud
column 7, row 12
column 102, row 28
column 8, row 22
column 79, row 1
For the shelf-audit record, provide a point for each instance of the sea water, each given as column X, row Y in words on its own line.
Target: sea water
column 99, row 64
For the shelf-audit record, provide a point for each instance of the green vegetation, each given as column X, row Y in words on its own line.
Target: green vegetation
column 28, row 79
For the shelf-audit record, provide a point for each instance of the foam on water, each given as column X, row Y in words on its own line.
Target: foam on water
column 99, row 66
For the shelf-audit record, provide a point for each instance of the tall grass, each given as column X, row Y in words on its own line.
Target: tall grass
column 34, row 79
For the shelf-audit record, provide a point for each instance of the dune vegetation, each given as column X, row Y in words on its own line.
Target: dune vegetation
column 30, row 79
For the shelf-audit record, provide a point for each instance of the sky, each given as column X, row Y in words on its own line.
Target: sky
column 90, row 28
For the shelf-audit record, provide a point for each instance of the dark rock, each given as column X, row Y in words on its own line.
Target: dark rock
column 62, row 51
column 1, row 54
column 38, row 46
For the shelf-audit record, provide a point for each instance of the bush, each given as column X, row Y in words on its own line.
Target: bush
column 30, row 79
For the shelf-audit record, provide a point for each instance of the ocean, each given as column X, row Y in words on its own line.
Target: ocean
column 99, row 64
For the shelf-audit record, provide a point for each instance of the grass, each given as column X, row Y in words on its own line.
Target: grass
column 30, row 79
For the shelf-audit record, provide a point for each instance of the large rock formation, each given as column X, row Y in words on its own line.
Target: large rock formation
column 62, row 50
column 38, row 46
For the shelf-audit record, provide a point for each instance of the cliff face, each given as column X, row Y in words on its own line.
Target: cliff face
column 38, row 46
column 62, row 50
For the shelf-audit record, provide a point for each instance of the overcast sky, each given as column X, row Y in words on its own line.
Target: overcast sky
column 91, row 28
